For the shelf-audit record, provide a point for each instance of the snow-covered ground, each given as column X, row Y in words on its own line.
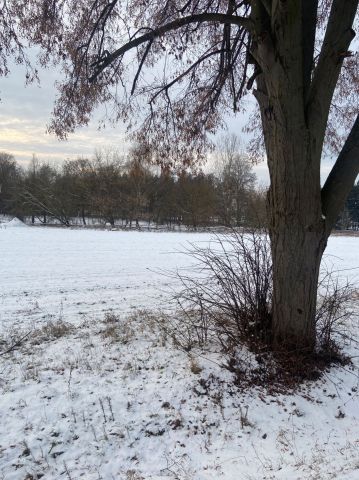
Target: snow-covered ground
column 97, row 395
column 47, row 272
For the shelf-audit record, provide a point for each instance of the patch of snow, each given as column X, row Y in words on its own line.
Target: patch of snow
column 15, row 222
column 92, row 404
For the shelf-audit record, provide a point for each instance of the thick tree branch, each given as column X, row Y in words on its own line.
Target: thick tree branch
column 99, row 66
column 342, row 177
column 338, row 36
column 309, row 24
column 267, row 5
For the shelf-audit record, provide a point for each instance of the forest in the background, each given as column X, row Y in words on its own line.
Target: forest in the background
column 127, row 191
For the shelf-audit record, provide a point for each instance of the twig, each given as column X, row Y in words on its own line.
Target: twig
column 16, row 344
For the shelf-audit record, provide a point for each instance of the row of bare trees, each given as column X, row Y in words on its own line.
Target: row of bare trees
column 126, row 190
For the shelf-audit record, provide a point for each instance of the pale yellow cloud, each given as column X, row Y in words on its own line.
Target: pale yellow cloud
column 24, row 114
column 24, row 137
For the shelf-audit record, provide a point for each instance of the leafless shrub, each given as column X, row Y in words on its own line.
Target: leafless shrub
column 186, row 329
column 227, row 296
column 334, row 309
column 226, row 302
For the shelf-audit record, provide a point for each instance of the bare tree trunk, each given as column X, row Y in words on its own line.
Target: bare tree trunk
column 297, row 226
column 296, row 255
column 297, row 230
column 294, row 101
column 296, row 261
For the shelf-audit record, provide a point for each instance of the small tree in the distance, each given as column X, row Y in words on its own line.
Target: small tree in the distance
column 234, row 171
column 202, row 57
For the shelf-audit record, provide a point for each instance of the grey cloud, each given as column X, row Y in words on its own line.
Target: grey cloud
column 25, row 113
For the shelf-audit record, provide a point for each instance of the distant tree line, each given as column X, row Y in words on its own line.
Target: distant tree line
column 128, row 191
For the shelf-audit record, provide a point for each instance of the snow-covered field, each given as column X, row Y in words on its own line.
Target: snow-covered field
column 96, row 392
column 47, row 272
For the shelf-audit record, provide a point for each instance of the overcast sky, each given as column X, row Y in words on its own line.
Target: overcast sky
column 25, row 112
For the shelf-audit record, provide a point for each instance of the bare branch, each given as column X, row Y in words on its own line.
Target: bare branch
column 17, row 343
column 309, row 24
column 144, row 56
column 183, row 74
column 342, row 177
column 158, row 32
column 338, row 36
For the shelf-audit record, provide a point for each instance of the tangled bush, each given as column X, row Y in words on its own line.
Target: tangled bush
column 227, row 297
column 226, row 301
column 334, row 308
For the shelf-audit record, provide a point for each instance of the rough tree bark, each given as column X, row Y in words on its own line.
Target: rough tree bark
column 294, row 110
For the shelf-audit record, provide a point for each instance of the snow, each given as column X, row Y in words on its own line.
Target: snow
column 48, row 271
column 111, row 398
column 15, row 222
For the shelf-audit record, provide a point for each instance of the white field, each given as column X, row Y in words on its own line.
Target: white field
column 86, row 406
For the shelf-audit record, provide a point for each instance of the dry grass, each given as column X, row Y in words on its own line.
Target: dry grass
column 52, row 330
column 118, row 330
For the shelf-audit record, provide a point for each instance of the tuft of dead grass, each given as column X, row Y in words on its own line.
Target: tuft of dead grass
column 118, row 330
column 52, row 330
